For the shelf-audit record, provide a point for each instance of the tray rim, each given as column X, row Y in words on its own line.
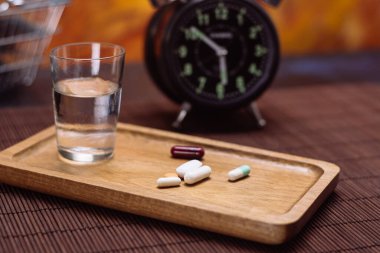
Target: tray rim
column 301, row 211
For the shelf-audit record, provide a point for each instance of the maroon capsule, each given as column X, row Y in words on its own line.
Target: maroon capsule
column 187, row 152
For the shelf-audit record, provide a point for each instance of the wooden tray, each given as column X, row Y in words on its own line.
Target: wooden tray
column 270, row 206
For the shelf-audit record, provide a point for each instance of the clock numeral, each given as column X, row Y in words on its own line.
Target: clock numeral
column 190, row 34
column 240, row 84
column 221, row 12
column 240, row 16
column 254, row 30
column 260, row 51
column 182, row 51
column 203, row 19
column 202, row 83
column 187, row 69
column 220, row 90
column 254, row 70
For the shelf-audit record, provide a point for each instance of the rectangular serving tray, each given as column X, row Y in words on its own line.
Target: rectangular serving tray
column 270, row 206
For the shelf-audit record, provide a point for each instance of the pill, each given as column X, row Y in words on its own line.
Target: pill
column 198, row 174
column 187, row 152
column 239, row 172
column 168, row 182
column 188, row 166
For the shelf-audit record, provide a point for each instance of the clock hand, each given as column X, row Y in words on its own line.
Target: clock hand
column 223, row 70
column 221, row 53
column 218, row 49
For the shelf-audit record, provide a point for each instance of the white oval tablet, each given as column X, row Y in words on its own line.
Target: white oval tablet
column 168, row 182
column 195, row 175
column 188, row 166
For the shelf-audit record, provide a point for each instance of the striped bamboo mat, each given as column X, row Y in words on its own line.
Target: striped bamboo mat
column 338, row 123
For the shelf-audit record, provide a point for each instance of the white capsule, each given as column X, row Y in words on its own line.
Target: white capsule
column 187, row 166
column 195, row 175
column 168, row 182
column 239, row 172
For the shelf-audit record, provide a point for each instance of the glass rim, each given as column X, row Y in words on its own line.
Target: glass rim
column 55, row 49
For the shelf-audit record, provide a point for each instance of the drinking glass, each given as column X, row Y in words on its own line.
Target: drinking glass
column 87, row 85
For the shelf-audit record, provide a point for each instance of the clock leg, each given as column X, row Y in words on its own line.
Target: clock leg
column 185, row 109
column 255, row 111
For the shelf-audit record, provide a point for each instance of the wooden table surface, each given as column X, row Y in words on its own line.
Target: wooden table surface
column 320, row 107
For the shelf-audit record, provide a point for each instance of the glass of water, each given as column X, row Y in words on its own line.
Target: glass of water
column 86, row 91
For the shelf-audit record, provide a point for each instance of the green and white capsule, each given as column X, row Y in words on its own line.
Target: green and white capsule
column 239, row 172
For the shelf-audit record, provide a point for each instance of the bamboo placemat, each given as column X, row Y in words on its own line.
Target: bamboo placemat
column 337, row 123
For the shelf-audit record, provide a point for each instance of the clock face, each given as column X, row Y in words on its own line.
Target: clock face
column 222, row 52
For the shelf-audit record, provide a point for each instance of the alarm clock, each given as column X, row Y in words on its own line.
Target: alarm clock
column 212, row 55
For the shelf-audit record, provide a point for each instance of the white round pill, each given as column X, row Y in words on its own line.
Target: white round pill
column 195, row 175
column 188, row 166
column 168, row 182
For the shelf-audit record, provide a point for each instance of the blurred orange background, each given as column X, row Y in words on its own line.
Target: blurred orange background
column 305, row 27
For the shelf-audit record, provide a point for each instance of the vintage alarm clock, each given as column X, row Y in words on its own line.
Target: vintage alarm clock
column 212, row 55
